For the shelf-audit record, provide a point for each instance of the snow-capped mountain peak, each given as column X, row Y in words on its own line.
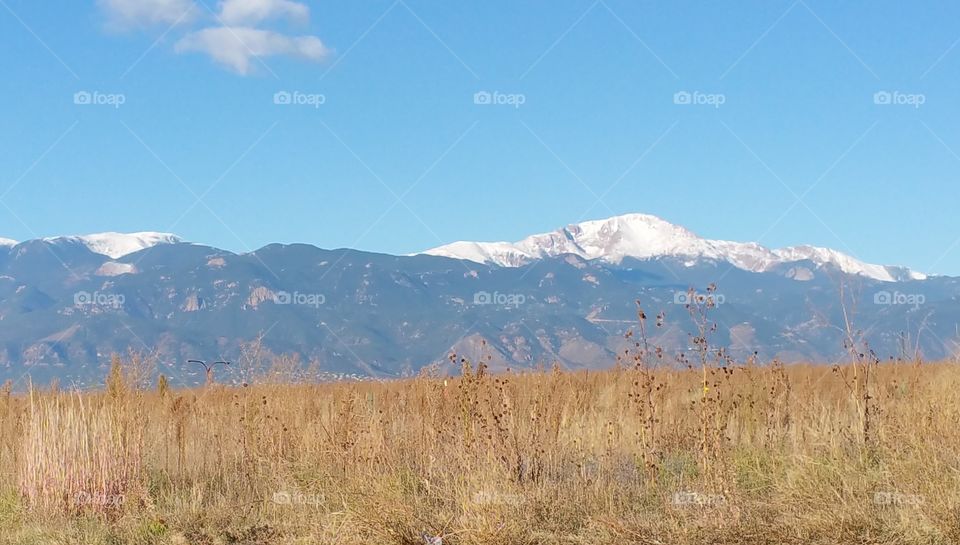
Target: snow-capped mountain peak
column 643, row 236
column 116, row 245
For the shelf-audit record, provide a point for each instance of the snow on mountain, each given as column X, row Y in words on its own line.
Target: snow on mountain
column 116, row 245
column 643, row 236
column 112, row 268
column 501, row 253
column 7, row 242
column 847, row 264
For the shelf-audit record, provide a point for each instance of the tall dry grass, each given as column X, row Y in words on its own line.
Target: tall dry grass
column 646, row 453
column 75, row 456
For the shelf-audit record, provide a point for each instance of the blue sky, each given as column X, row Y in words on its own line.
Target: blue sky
column 785, row 143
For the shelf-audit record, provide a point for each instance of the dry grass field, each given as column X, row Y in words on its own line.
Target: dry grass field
column 860, row 453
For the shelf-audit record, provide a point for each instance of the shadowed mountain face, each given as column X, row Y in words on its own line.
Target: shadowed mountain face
column 65, row 309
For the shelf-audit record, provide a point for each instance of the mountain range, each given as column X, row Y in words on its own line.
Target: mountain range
column 567, row 298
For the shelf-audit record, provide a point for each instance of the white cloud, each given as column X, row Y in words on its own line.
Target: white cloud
column 237, row 43
column 124, row 14
column 249, row 12
column 238, row 47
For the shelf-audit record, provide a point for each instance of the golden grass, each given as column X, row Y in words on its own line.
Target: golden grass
column 641, row 454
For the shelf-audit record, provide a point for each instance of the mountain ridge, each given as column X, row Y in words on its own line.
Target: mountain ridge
column 636, row 235
column 644, row 236
column 117, row 245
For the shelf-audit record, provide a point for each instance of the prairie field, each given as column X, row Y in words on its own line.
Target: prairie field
column 859, row 453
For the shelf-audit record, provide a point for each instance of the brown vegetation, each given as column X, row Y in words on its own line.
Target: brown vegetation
column 646, row 453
